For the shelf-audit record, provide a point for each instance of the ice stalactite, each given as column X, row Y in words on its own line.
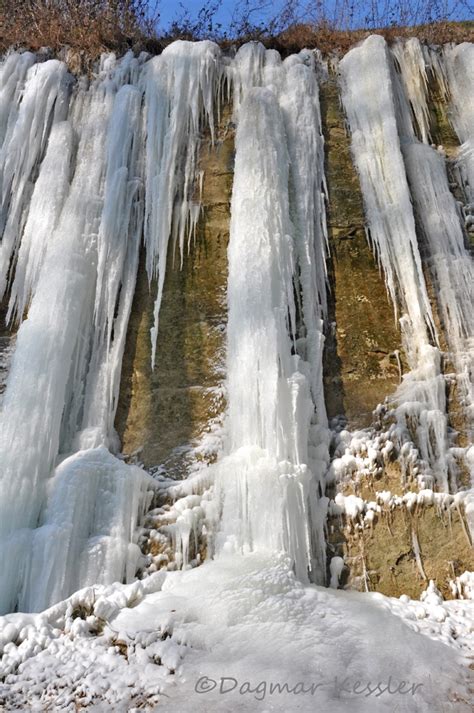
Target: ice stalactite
column 277, row 429
column 451, row 71
column 118, row 242
column 372, row 103
column 42, row 217
column 397, row 169
column 246, row 71
column 299, row 102
column 12, row 76
column 438, row 214
column 44, row 396
column 118, row 156
column 42, row 101
column 440, row 222
column 369, row 103
column 459, row 70
column 459, row 63
column 414, row 84
column 448, row 259
column 182, row 88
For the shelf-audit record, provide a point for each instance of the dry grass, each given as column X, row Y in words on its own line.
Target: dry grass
column 332, row 40
column 90, row 27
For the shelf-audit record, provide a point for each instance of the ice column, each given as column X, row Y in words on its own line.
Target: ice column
column 269, row 478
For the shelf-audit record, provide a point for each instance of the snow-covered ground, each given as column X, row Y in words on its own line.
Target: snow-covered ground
column 238, row 634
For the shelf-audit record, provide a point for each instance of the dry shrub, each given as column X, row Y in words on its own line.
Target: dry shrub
column 91, row 26
column 330, row 39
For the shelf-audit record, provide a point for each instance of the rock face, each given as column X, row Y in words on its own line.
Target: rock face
column 162, row 412
column 404, row 547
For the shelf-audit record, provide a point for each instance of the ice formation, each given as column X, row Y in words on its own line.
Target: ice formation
column 276, row 414
column 442, row 234
column 90, row 169
column 106, row 161
column 405, row 186
column 181, row 85
column 459, row 63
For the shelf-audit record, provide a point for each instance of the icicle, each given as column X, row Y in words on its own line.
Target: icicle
column 300, row 104
column 12, row 76
column 118, row 244
column 180, row 87
column 459, row 62
column 43, row 101
column 369, row 103
column 447, row 257
column 410, row 58
column 449, row 260
column 246, row 72
column 376, row 118
column 65, row 370
column 53, row 179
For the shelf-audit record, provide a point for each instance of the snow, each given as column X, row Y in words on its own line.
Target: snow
column 336, row 567
column 153, row 644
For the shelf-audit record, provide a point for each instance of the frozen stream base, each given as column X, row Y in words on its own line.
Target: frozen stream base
column 244, row 626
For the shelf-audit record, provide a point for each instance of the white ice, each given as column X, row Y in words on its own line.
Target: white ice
column 276, row 414
column 403, row 178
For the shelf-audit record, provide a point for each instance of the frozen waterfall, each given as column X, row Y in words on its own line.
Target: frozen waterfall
column 94, row 170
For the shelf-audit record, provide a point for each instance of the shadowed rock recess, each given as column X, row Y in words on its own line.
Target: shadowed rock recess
column 164, row 412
